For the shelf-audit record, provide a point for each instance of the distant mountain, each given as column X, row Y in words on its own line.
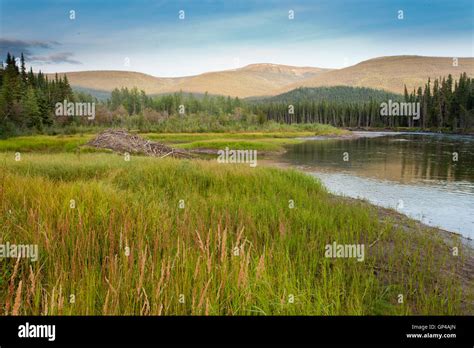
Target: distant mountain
column 255, row 79
column 259, row 80
column 332, row 94
column 107, row 80
column 389, row 73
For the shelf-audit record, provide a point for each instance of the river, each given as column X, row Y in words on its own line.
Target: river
column 426, row 176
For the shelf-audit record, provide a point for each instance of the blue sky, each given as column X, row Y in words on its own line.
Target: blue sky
column 149, row 37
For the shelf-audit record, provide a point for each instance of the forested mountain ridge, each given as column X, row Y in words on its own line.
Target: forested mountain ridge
column 332, row 94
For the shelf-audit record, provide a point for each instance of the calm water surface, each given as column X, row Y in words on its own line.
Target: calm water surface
column 415, row 173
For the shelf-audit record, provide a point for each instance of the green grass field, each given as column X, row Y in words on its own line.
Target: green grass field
column 213, row 141
column 165, row 236
column 44, row 143
column 265, row 141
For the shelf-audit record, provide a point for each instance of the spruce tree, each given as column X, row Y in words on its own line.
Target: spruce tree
column 31, row 109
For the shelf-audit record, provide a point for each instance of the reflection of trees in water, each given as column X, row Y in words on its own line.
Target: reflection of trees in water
column 399, row 158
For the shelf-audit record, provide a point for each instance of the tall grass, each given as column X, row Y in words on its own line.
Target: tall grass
column 169, row 237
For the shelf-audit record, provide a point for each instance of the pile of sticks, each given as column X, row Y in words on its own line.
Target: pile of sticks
column 119, row 140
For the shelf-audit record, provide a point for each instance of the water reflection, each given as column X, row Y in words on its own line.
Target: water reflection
column 404, row 158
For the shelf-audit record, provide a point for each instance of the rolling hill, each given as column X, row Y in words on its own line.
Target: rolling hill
column 255, row 79
column 387, row 73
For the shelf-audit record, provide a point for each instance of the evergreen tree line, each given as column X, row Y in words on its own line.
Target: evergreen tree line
column 333, row 113
column 444, row 104
column 135, row 102
column 27, row 100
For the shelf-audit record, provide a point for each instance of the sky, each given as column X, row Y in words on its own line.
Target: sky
column 149, row 36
